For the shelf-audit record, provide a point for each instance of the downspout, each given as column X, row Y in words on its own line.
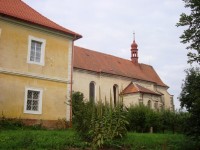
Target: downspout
column 71, row 82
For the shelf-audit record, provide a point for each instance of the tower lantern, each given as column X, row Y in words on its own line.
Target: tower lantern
column 134, row 51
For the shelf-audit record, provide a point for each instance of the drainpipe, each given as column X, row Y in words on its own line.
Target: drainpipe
column 71, row 82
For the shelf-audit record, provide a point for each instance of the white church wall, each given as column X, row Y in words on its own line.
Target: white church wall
column 166, row 97
column 82, row 79
column 131, row 99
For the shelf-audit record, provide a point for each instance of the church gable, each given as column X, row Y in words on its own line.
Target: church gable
column 136, row 88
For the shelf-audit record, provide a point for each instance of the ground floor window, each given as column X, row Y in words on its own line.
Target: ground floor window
column 149, row 104
column 33, row 101
column 115, row 94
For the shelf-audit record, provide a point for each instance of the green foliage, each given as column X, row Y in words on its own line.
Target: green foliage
column 141, row 119
column 67, row 139
column 190, row 99
column 191, row 35
column 98, row 124
column 107, row 125
column 40, row 139
column 10, row 123
column 16, row 124
column 82, row 115
column 146, row 141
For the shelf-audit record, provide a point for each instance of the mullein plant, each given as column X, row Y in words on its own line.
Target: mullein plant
column 99, row 123
column 108, row 122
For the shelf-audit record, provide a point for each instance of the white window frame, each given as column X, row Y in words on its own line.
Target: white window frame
column 43, row 41
column 39, row 104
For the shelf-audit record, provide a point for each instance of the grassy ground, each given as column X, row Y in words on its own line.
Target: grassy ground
column 66, row 139
column 139, row 141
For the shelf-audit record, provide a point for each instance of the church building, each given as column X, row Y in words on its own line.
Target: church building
column 112, row 76
column 40, row 67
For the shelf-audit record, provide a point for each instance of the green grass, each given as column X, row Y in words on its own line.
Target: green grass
column 138, row 141
column 66, row 139
column 39, row 139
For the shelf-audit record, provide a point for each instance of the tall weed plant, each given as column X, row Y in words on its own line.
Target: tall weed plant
column 100, row 123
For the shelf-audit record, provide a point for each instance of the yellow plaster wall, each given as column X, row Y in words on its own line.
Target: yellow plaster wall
column 12, row 95
column 14, row 49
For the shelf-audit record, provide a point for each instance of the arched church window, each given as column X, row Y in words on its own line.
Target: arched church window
column 92, row 91
column 115, row 93
column 149, row 104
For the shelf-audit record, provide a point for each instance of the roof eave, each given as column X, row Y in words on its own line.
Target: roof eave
column 75, row 36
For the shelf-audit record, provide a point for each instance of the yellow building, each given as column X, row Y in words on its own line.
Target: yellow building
column 35, row 65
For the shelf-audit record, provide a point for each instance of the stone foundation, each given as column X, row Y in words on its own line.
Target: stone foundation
column 49, row 124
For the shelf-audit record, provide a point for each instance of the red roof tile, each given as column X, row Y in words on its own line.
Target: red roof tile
column 17, row 9
column 100, row 62
column 136, row 88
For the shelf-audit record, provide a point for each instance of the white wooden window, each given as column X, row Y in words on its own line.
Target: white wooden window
column 33, row 101
column 36, row 50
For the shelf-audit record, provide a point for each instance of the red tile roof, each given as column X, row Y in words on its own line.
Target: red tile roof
column 100, row 62
column 136, row 88
column 17, row 9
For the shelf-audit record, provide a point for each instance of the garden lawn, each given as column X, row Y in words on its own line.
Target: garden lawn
column 138, row 141
column 39, row 139
column 66, row 139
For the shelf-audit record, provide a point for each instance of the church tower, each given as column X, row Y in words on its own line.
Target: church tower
column 134, row 52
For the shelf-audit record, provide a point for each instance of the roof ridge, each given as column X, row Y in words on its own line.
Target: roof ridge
column 93, row 60
column 103, row 53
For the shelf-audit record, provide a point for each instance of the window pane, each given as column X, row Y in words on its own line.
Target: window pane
column 35, row 108
column 32, row 100
column 35, row 53
column 37, row 57
column 29, row 94
column 36, row 95
column 28, row 107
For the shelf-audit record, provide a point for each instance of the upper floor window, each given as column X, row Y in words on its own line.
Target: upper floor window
column 33, row 101
column 36, row 50
column 92, row 91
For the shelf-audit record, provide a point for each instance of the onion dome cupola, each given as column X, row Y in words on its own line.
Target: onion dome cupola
column 134, row 52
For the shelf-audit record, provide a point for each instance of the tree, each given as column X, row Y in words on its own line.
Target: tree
column 190, row 99
column 191, row 35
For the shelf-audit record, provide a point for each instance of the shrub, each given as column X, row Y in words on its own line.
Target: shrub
column 98, row 124
column 6, row 123
column 141, row 118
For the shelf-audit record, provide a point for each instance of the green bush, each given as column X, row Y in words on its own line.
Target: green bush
column 141, row 119
column 14, row 123
column 98, row 124
column 82, row 115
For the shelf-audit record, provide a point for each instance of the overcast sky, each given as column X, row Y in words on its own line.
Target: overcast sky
column 107, row 26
